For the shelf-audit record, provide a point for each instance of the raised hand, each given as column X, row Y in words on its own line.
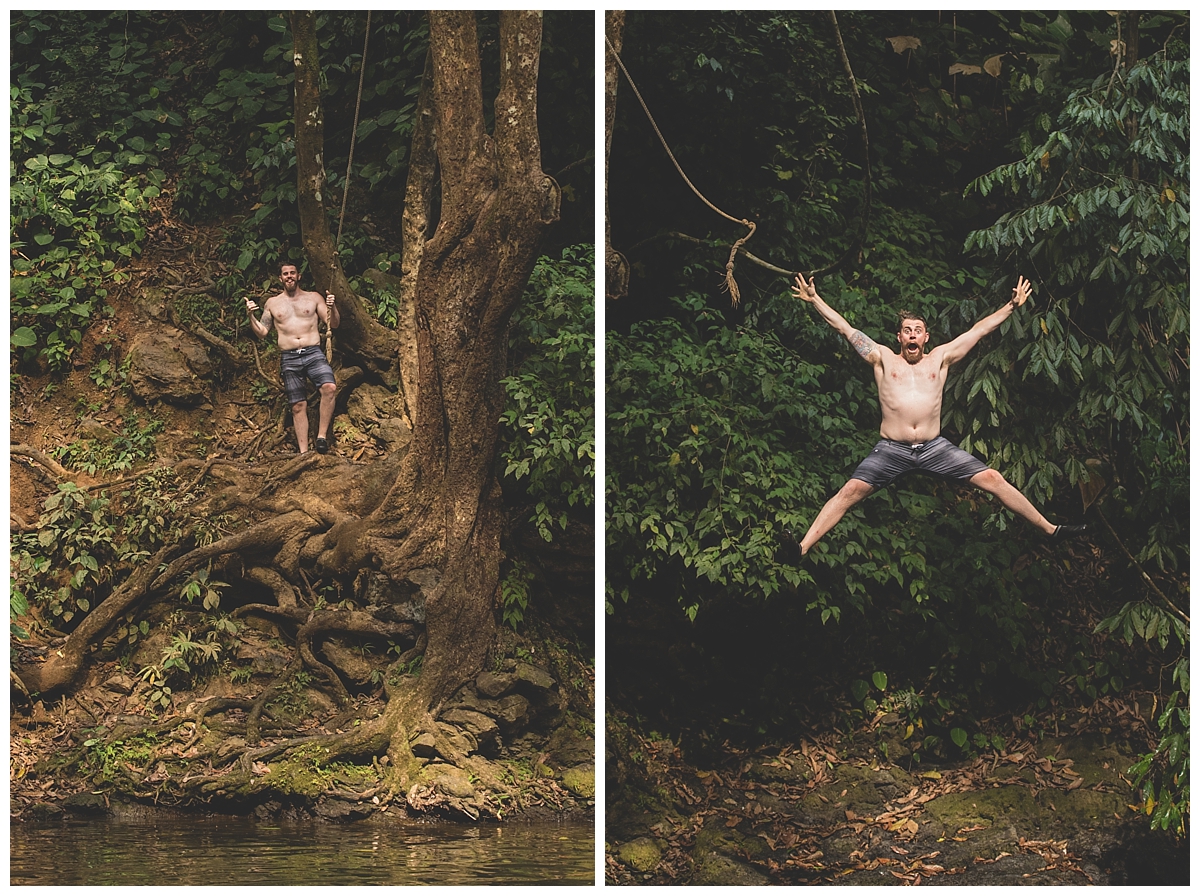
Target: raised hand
column 329, row 299
column 251, row 305
column 1020, row 292
column 807, row 291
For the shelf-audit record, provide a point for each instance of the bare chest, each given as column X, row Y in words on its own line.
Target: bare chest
column 899, row 380
column 300, row 309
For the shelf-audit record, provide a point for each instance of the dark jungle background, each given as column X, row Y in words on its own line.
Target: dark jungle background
column 1045, row 144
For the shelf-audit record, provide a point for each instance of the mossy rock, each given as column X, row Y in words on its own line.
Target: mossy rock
column 642, row 854
column 299, row 773
column 867, row 791
column 986, row 807
column 449, row 779
column 581, row 780
column 1082, row 807
column 718, row 870
column 775, row 771
column 716, row 838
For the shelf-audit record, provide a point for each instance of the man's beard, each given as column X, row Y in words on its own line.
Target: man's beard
column 914, row 356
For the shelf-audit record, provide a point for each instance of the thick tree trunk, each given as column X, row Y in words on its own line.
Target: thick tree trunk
column 418, row 202
column 359, row 333
column 495, row 205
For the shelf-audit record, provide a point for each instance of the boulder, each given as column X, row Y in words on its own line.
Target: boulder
column 446, row 789
column 534, row 677
column 392, row 433
column 120, row 684
column 568, row 746
column 481, row 727
column 495, row 684
column 353, row 664
column 424, row 746
column 169, row 365
column 717, row 870
column 458, row 740
column 511, row 713
column 91, row 428
column 152, row 302
column 333, row 809
column 642, row 854
column 453, row 781
column 581, row 780
column 86, row 803
column 379, row 411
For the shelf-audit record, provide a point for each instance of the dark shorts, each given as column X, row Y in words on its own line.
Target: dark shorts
column 937, row 457
column 297, row 363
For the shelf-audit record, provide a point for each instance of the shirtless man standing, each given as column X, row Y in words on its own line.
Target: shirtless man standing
column 910, row 388
column 294, row 313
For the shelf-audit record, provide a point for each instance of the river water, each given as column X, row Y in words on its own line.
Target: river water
column 237, row 851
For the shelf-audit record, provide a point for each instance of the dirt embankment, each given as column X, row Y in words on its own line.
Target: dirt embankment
column 136, row 729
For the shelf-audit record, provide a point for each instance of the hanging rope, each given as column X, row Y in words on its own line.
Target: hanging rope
column 735, row 294
column 862, row 122
column 362, row 71
column 737, row 247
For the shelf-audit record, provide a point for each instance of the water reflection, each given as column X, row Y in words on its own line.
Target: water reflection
column 236, row 851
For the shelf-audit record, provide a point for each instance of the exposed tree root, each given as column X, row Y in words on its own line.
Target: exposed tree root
column 40, row 457
column 64, row 664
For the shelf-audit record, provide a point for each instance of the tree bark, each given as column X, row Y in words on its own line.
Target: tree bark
column 359, row 333
column 418, row 209
column 445, row 507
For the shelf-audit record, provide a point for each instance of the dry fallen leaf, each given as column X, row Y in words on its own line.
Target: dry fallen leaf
column 904, row 42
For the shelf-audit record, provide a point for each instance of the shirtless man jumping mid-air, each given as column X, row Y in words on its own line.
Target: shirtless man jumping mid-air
column 294, row 314
column 910, row 395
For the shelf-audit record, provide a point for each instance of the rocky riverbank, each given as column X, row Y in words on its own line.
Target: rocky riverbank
column 515, row 743
column 832, row 810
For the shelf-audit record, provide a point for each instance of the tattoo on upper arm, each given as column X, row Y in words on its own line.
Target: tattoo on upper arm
column 266, row 320
column 863, row 344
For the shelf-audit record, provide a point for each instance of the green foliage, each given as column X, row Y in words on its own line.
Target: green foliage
column 696, row 478
column 1102, row 217
column 18, row 606
column 549, row 427
column 514, row 593
column 184, row 658
column 1163, row 776
column 74, row 220
column 85, row 541
column 201, row 585
column 106, row 761
column 133, row 445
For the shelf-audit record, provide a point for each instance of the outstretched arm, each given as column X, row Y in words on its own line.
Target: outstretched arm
column 957, row 349
column 863, row 344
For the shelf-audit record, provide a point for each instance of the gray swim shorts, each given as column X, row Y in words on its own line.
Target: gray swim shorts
column 297, row 363
column 937, row 457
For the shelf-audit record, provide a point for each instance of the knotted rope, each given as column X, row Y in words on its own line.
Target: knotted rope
column 735, row 294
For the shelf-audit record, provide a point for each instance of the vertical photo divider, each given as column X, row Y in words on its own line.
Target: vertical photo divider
column 600, row 173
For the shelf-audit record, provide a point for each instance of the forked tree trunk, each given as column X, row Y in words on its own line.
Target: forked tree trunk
column 445, row 508
column 361, row 334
